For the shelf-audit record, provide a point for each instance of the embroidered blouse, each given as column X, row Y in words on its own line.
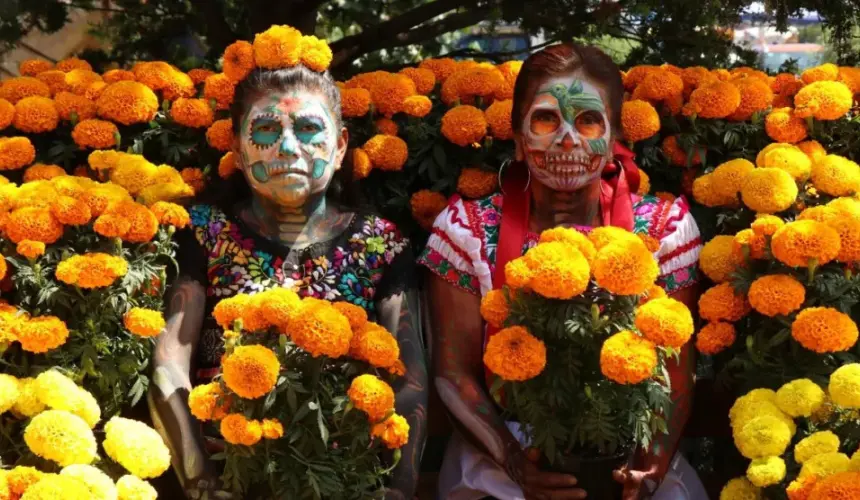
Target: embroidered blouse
column 462, row 246
column 369, row 261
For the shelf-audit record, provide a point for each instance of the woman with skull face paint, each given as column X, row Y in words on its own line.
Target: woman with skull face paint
column 569, row 170
column 280, row 226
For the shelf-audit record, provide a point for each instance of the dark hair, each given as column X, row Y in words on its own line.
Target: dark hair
column 562, row 59
column 342, row 190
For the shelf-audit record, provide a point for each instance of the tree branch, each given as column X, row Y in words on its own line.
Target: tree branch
column 218, row 32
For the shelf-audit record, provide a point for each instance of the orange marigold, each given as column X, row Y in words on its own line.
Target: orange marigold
column 801, row 242
column 498, row 117
column 321, row 330
column 418, row 106
column 714, row 338
column 118, row 75
column 277, row 47
column 7, row 113
column 782, row 125
column 661, row 85
column 836, row 176
column 718, row 260
column 386, row 126
column 375, row 345
column 636, row 75
column 41, row 171
column 464, row 125
column 756, row 96
column 625, row 267
column 278, row 306
column 678, row 156
column 15, row 89
column 95, row 134
column 32, row 67
column 41, row 334
column 481, row 81
column 35, row 115
column 179, row 85
column 92, row 270
column 220, row 134
column 111, row 226
column 356, row 315
column 238, row 430
column 776, row 294
column 228, row 310
column 194, row 177
column 354, row 103
column 476, row 182
column 390, row 92
column 16, row 152
column 766, row 225
column 199, row 75
column 824, row 329
column 424, row 79
column 144, row 224
column 823, row 100
column 192, row 113
column 73, row 107
column 573, row 238
column 127, row 103
column 840, row 486
column 251, row 371
column 387, row 152
column 627, row 358
column 441, row 68
column 721, row 303
column 238, row 61
column 639, row 120
column 55, row 80
column 171, row 214
column 714, row 100
column 144, row 322
column 558, row 270
column 510, row 70
column 209, row 402
column 394, row 432
column 515, row 354
column 786, row 84
column 30, row 249
column 316, row 53
column 272, row 428
column 220, row 89
column 813, row 149
column 71, row 211
column 227, row 165
column 825, row 72
column 33, row 223
column 361, row 165
column 426, row 205
column 494, row 308
column 79, row 80
column 728, row 178
column 372, row 396
column 73, row 63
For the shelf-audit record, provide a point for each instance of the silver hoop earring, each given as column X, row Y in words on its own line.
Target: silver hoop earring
column 502, row 170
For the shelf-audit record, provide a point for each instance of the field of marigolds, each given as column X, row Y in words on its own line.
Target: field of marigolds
column 99, row 167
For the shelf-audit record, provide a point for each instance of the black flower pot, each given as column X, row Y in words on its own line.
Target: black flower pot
column 594, row 473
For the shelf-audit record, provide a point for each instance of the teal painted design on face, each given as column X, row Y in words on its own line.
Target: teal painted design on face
column 319, row 167
column 259, row 171
column 265, row 131
column 310, row 130
column 574, row 99
column 598, row 146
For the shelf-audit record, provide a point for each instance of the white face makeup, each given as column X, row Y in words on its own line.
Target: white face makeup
column 566, row 134
column 290, row 146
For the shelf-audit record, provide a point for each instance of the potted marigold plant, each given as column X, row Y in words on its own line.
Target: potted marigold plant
column 801, row 442
column 302, row 400
column 579, row 360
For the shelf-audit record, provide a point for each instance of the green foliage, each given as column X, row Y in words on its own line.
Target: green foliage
column 571, row 407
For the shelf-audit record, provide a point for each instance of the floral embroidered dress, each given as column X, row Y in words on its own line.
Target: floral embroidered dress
column 462, row 248
column 370, row 260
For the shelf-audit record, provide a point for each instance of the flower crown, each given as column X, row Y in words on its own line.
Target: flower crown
column 278, row 47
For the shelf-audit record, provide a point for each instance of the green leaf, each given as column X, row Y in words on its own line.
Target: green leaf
column 323, row 429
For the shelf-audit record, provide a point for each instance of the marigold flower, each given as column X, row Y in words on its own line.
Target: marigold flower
column 54, row 80
column 714, row 338
column 824, row 72
column 665, row 322
column 464, row 125
column 316, row 53
column 718, row 260
column 476, row 182
column 238, row 61
column 74, row 107
column 41, row 171
column 220, row 134
column 95, row 134
column 756, row 96
column 237, row 429
column 227, row 165
column 424, row 79
column 844, row 388
column 426, row 205
column 221, row 89
column 842, row 485
column 627, row 358
column 782, row 125
column 389, row 92
column 776, row 294
column 625, row 268
column 677, row 156
column 514, row 354
column 644, row 183
column 394, row 432
column 386, row 126
column 9, row 392
column 99, row 484
column 356, row 315
column 118, row 75
column 199, row 75
column 786, row 84
column 815, row 444
column 824, row 329
column 361, row 165
column 763, row 436
column 33, row 223
column 728, row 178
column 193, row 177
column 7, row 113
column 127, row 103
column 16, row 152
column 639, row 120
column 171, row 214
column 560, row 271
column 32, row 67
column 800, row 242
column 15, row 89
column 823, row 100
column 636, row 75
column 442, row 68
column 825, row 465
column 605, row 235
column 494, row 308
column 35, row 115
column 321, row 330
column 61, row 437
column 70, row 211
column 769, row 190
column 694, row 77
column 792, row 160
column 661, row 85
column 136, row 446
column 354, row 103
column 228, row 310
column 251, row 371
column 20, row 479
column 498, row 118
column 144, row 322
column 386, row 152
column 372, row 396
column 30, row 249
column 192, row 113
column 375, row 345
column 272, row 428
column 79, row 80
column 209, row 402
column 92, row 270
column 157, row 75
column 836, row 176
column 721, row 303
column 766, row 471
column 849, row 237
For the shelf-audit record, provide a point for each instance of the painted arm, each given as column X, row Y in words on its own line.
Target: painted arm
column 168, row 394
column 400, row 314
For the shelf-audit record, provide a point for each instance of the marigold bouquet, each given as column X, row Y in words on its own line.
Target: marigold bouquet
column 59, row 456
column 802, row 440
column 302, row 400
column 585, row 334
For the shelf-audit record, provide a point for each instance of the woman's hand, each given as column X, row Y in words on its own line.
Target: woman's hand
column 633, row 481
column 538, row 484
column 206, row 488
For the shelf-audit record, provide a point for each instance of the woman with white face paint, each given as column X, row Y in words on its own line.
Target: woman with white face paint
column 279, row 225
column 570, row 170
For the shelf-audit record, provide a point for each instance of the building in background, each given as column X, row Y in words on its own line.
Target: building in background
column 803, row 42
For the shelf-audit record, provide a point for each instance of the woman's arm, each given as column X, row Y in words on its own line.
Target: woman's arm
column 168, row 395
column 400, row 314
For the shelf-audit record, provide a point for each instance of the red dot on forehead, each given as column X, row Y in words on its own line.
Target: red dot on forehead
column 288, row 104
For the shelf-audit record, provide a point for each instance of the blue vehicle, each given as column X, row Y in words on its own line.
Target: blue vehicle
column 499, row 39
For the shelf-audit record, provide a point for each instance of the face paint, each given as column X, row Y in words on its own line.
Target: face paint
column 289, row 143
column 566, row 134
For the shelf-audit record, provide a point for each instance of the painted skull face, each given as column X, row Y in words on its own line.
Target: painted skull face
column 566, row 134
column 290, row 147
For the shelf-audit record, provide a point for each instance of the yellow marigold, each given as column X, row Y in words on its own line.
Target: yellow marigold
column 31, row 249
column 424, row 79
column 199, row 75
column 514, row 354
column 740, row 489
column 237, row 429
column 144, row 322
column 749, row 244
column 836, row 176
column 41, row 171
column 316, row 53
column 99, row 484
column 356, row 315
column 92, row 270
column 354, row 103
column 844, row 388
column 776, row 294
column 678, row 156
column 714, row 99
column 53, row 486
column 494, row 308
column 33, row 223
column 61, row 437
column 510, row 70
column 118, row 75
column 127, row 103
column 99, row 196
column 769, row 190
column 220, row 134
column 372, row 396
column 20, row 479
column 386, row 126
column 782, row 125
column 7, row 113
column 16, row 152
column 95, row 134
column 605, row 235
column 797, row 243
column 15, row 89
column 559, row 270
column 849, row 237
column 251, row 371
column 721, row 303
column 498, row 117
column 228, row 310
column 714, row 338
column 718, row 260
column 70, row 211
column 652, row 293
column 791, row 159
column 728, row 178
column 375, row 345
column 35, row 115
column 192, row 113
column 815, row 444
column 386, row 152
column 665, row 322
column 9, row 392
column 627, row 358
column 130, row 487
column 824, row 465
column 32, row 67
column 825, row 72
column 209, row 402
column 171, row 214
column 823, row 100
column 756, row 96
column 661, row 85
column 54, row 80
column 238, row 61
column 136, row 446
column 394, row 432
column 639, row 120
column 193, row 177
column 824, row 329
column 221, row 89
column 361, row 165
column 272, row 428
column 800, row 398
column 763, row 436
column 464, row 125
column 321, row 330
column 78, row 80
column 476, row 182
column 74, row 107
column 23, row 395
column 625, row 267
column 441, row 68
column 766, row 471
